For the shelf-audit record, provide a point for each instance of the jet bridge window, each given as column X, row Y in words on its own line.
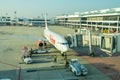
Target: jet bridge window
column 63, row 43
column 106, row 43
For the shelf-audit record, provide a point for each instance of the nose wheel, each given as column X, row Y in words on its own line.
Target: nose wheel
column 62, row 53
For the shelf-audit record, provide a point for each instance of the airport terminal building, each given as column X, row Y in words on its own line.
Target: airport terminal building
column 5, row 20
column 107, row 20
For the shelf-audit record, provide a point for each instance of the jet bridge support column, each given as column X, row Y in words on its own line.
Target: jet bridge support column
column 91, row 53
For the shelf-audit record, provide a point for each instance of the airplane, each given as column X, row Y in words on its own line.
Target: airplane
column 57, row 40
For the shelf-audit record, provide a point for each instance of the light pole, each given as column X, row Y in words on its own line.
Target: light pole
column 15, row 18
column 6, row 19
column 15, row 14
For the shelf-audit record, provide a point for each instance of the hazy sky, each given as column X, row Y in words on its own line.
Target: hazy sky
column 34, row 8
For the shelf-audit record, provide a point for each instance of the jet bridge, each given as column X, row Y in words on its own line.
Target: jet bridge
column 110, row 43
column 82, row 38
column 75, row 40
column 87, row 35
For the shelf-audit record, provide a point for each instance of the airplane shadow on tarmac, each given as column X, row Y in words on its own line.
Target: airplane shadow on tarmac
column 84, row 51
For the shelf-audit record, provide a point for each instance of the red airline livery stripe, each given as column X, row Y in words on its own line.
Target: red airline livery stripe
column 52, row 39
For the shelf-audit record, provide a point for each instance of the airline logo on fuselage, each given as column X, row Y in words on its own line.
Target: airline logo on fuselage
column 52, row 40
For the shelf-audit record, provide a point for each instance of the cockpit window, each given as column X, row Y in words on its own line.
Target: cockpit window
column 63, row 43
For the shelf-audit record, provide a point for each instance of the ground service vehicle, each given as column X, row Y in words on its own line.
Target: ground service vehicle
column 27, row 60
column 77, row 68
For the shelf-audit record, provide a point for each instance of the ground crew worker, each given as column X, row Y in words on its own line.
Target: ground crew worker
column 67, row 63
column 55, row 58
column 31, row 52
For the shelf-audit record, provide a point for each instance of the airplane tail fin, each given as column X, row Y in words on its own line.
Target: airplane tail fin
column 46, row 27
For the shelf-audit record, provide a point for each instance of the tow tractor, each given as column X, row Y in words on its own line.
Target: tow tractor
column 77, row 68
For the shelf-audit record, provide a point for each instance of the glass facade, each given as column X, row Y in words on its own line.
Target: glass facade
column 107, row 20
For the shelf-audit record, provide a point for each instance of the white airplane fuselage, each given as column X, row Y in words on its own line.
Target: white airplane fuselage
column 56, row 40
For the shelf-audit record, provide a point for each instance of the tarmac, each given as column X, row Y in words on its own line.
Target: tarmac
column 43, row 66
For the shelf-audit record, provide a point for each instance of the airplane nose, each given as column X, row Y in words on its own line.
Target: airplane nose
column 65, row 48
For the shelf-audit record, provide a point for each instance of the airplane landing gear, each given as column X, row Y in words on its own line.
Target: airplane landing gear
column 62, row 53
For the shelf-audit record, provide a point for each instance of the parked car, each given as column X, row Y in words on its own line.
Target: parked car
column 77, row 68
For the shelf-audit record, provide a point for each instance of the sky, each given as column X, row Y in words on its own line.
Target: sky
column 35, row 8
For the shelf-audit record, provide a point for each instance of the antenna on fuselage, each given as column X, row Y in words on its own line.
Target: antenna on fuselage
column 46, row 21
